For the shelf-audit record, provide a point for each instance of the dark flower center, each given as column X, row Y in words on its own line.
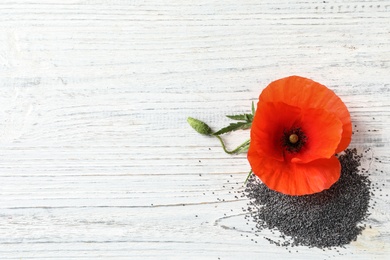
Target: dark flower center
column 293, row 139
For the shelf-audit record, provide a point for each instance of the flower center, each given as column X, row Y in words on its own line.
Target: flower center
column 293, row 140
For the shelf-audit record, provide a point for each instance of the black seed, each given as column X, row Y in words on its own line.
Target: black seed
column 330, row 218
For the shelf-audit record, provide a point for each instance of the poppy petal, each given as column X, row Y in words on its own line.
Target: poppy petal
column 270, row 120
column 306, row 93
column 323, row 131
column 321, row 174
column 295, row 178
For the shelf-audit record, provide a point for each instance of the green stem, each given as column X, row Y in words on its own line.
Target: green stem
column 249, row 175
column 244, row 144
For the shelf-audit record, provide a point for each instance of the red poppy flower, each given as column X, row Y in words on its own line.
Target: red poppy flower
column 298, row 127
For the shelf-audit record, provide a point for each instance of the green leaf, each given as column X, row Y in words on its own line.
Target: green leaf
column 243, row 148
column 199, row 126
column 233, row 127
column 243, row 117
column 249, row 118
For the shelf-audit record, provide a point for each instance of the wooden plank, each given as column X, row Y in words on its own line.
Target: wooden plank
column 96, row 157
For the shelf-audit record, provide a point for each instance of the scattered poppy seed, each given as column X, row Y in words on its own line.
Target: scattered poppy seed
column 330, row 218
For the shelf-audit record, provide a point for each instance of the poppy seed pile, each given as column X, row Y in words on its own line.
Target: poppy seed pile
column 330, row 218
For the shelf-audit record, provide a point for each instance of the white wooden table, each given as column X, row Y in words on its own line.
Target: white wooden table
column 96, row 157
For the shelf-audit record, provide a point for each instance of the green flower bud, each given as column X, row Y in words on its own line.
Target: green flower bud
column 199, row 126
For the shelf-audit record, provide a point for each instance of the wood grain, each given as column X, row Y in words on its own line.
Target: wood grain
column 96, row 157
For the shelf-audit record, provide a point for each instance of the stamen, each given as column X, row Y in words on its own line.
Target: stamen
column 293, row 140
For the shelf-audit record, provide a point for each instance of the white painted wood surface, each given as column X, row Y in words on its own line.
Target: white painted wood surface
column 96, row 157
